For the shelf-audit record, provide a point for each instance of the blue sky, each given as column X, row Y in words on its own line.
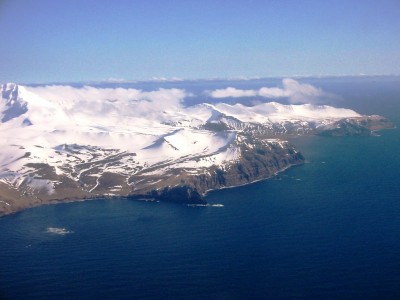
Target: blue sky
column 74, row 40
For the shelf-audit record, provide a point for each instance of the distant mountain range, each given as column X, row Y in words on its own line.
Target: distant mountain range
column 60, row 143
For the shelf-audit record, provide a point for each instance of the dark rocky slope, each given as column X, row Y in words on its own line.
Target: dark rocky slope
column 260, row 159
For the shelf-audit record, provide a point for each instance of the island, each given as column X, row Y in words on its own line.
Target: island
column 61, row 143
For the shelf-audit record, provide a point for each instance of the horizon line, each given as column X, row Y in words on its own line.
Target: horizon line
column 113, row 80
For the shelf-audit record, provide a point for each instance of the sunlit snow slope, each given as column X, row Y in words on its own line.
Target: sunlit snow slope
column 56, row 140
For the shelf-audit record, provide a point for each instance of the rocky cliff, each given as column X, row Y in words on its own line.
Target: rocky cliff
column 260, row 158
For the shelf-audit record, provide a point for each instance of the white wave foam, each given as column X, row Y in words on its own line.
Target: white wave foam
column 60, row 231
column 205, row 205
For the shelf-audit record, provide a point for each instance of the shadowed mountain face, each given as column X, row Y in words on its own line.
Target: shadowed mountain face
column 65, row 143
column 13, row 108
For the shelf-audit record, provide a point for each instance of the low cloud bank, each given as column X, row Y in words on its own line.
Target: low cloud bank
column 126, row 101
column 295, row 91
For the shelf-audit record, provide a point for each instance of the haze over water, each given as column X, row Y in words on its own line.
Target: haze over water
column 325, row 230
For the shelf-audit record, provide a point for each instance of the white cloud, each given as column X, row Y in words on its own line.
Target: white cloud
column 233, row 92
column 272, row 92
column 166, row 79
column 124, row 101
column 295, row 91
column 301, row 92
column 116, row 80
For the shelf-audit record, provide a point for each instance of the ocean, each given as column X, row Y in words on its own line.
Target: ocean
column 328, row 229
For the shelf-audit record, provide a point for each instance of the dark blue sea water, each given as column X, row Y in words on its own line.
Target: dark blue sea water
column 329, row 229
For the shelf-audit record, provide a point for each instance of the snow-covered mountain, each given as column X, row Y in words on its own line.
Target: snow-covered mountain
column 63, row 142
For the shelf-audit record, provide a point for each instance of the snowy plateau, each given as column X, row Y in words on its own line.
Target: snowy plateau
column 63, row 143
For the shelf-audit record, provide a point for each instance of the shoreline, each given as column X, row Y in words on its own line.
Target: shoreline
column 254, row 181
column 134, row 196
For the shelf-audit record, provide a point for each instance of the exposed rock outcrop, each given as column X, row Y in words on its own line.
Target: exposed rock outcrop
column 260, row 159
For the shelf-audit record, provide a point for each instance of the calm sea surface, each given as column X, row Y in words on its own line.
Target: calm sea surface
column 328, row 229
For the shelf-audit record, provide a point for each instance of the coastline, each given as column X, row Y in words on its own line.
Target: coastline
column 254, row 181
column 132, row 196
column 24, row 202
